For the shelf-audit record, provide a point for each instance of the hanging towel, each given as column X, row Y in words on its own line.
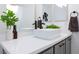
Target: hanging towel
column 73, row 24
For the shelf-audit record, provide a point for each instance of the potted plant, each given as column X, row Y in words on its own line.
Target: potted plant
column 9, row 18
column 52, row 26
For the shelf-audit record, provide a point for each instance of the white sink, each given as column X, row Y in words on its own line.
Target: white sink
column 26, row 32
column 47, row 34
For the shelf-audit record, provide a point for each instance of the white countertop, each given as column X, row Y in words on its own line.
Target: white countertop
column 30, row 44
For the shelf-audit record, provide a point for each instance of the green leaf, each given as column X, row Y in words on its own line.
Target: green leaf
column 9, row 18
column 52, row 26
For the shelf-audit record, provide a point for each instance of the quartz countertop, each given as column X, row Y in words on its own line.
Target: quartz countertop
column 30, row 44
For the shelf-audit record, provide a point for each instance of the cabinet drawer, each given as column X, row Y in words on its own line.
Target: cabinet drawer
column 59, row 48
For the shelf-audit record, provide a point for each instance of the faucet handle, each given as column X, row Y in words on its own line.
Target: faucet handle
column 35, row 24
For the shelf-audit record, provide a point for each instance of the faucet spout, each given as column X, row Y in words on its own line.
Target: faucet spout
column 40, row 24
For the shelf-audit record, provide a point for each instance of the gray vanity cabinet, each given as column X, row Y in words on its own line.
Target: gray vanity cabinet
column 68, row 45
column 63, row 47
column 59, row 48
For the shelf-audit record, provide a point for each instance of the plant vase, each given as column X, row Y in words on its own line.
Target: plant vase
column 9, row 33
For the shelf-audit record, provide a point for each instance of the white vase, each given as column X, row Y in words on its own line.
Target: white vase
column 9, row 33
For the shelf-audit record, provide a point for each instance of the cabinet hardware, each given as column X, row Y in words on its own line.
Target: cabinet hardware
column 61, row 45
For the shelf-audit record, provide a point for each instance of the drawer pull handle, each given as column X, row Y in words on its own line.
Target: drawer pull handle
column 61, row 45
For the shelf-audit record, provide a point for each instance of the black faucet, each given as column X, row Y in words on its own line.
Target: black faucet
column 40, row 23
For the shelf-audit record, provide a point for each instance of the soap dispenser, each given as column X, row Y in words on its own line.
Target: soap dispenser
column 14, row 32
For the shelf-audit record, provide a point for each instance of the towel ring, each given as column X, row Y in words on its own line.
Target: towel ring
column 74, row 12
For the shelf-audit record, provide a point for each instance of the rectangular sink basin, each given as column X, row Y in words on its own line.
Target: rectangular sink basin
column 47, row 34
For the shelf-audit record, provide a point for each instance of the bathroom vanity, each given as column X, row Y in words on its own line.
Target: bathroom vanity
column 35, row 45
column 62, row 47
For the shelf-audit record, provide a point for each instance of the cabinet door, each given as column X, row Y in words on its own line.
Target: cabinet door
column 59, row 48
column 68, row 45
column 47, row 51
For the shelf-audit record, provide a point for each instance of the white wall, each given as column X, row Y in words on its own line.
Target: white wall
column 60, row 13
column 20, row 16
column 39, row 11
column 75, row 35
column 26, row 16
column 55, row 12
column 2, row 26
column 49, row 8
